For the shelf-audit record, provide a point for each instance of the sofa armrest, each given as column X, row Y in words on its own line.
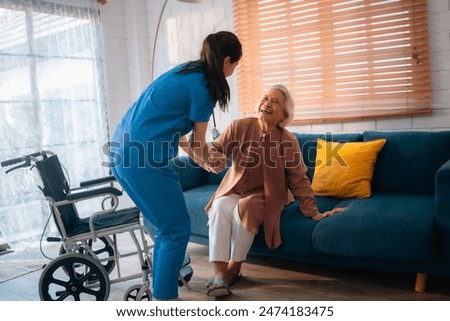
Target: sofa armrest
column 190, row 173
column 442, row 194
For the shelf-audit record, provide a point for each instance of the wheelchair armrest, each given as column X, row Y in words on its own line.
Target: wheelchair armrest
column 97, row 181
column 93, row 192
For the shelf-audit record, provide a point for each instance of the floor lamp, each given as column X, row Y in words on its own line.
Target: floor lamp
column 157, row 30
column 215, row 132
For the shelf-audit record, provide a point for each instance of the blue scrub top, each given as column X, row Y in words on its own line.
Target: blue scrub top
column 166, row 110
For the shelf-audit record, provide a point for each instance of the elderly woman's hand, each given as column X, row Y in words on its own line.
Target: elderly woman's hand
column 323, row 215
column 215, row 163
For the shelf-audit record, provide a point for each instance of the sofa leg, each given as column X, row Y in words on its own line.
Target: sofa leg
column 421, row 282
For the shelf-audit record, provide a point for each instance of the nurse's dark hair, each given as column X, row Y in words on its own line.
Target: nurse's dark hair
column 216, row 47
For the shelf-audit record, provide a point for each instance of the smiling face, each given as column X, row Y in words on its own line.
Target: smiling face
column 272, row 109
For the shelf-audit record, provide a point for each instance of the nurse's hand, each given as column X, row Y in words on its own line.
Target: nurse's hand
column 217, row 162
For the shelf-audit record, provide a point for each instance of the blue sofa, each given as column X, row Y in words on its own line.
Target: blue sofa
column 403, row 226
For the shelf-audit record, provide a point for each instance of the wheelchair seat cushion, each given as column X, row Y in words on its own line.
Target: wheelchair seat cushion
column 117, row 218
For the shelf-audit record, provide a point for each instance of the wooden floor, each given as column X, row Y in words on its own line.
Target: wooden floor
column 265, row 279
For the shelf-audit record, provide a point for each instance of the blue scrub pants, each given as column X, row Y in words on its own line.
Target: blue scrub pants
column 157, row 193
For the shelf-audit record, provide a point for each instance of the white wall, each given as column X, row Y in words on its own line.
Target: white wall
column 129, row 30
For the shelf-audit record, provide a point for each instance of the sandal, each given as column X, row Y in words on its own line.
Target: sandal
column 218, row 288
column 232, row 280
column 209, row 283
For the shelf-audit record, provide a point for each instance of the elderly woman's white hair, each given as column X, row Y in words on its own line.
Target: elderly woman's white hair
column 289, row 105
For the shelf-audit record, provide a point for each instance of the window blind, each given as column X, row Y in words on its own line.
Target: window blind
column 341, row 60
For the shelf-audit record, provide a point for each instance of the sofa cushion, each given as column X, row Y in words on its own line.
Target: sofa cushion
column 296, row 230
column 344, row 170
column 190, row 174
column 196, row 200
column 402, row 223
column 217, row 178
column 308, row 146
column 325, row 203
column 409, row 160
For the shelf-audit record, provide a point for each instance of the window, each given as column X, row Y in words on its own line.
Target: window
column 342, row 60
column 52, row 97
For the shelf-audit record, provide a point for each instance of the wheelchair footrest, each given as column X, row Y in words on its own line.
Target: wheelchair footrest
column 186, row 271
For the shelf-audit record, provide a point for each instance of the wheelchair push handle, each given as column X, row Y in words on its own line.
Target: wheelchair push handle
column 25, row 159
column 16, row 160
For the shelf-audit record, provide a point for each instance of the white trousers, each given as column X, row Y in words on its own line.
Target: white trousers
column 228, row 238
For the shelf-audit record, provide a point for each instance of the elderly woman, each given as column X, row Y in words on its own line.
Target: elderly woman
column 267, row 166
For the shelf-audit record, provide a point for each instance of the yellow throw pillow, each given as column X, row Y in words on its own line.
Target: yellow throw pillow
column 345, row 170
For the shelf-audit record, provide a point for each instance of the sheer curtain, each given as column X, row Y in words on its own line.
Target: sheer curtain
column 52, row 97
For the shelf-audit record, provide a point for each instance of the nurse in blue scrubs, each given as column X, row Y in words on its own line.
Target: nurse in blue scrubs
column 148, row 136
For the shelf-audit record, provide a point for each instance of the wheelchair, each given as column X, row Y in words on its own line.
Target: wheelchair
column 90, row 257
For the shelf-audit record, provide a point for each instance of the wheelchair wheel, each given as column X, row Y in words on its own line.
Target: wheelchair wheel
column 138, row 292
column 103, row 250
column 74, row 277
